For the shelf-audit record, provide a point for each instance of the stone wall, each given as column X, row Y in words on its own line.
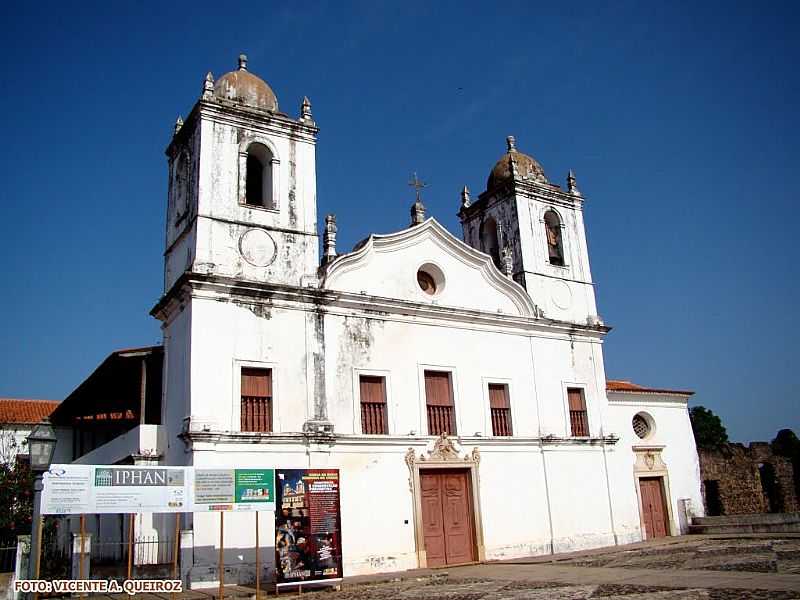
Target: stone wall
column 738, row 479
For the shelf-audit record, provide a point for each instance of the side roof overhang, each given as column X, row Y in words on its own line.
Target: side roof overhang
column 124, row 388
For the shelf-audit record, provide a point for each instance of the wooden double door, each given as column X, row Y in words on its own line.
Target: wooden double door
column 654, row 511
column 447, row 517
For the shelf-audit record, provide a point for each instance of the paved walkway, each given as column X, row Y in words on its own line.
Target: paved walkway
column 754, row 567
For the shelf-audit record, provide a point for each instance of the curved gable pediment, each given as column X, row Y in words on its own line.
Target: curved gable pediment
column 386, row 266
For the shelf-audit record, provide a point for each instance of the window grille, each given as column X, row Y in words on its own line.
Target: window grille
column 373, row 405
column 439, row 399
column 500, row 409
column 578, row 420
column 256, row 405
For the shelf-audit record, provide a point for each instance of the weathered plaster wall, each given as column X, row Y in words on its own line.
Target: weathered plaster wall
column 563, row 292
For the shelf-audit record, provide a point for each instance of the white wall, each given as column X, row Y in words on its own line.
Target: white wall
column 673, row 431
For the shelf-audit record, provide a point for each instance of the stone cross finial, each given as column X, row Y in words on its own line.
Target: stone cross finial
column 572, row 184
column 508, row 262
column 208, row 86
column 417, row 184
column 305, row 109
column 329, row 239
column 511, row 143
column 178, row 125
column 243, row 62
column 465, row 201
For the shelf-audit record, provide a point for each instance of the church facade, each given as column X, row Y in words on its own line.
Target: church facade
column 457, row 383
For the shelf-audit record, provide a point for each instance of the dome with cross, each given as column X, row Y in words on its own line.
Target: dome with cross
column 525, row 166
column 245, row 88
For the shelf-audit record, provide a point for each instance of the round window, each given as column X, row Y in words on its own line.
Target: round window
column 426, row 282
column 430, row 279
column 641, row 426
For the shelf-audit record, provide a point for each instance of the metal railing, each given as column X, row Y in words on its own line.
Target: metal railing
column 501, row 421
column 441, row 419
column 147, row 550
column 8, row 558
column 579, row 423
column 373, row 417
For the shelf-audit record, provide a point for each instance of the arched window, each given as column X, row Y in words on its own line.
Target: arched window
column 490, row 241
column 259, row 177
column 555, row 246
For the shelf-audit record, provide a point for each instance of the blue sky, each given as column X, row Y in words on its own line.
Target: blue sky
column 679, row 118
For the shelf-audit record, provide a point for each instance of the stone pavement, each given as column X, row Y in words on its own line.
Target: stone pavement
column 748, row 567
column 755, row 567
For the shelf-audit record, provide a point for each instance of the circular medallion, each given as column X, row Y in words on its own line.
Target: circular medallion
column 257, row 247
column 561, row 295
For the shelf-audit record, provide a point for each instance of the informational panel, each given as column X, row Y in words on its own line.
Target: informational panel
column 308, row 544
column 76, row 489
column 97, row 489
column 234, row 489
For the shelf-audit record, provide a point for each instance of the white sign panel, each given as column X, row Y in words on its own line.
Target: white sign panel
column 75, row 489
column 90, row 489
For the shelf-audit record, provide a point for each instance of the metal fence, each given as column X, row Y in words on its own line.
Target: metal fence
column 8, row 557
column 147, row 550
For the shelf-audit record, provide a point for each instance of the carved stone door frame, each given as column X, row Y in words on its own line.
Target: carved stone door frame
column 445, row 454
column 649, row 464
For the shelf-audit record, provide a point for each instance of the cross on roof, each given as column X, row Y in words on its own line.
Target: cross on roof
column 417, row 184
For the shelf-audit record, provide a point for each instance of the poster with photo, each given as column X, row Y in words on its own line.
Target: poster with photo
column 307, row 526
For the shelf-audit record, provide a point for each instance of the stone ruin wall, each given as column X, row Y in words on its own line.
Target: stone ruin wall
column 735, row 469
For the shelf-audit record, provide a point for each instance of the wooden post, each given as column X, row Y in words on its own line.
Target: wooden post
column 221, row 557
column 258, row 564
column 80, row 558
column 130, row 545
column 38, row 557
column 176, row 547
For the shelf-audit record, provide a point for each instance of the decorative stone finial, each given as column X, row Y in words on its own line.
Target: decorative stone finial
column 208, row 86
column 465, row 201
column 305, row 109
column 572, row 184
column 508, row 262
column 511, row 143
column 243, row 62
column 418, row 208
column 417, row 213
column 178, row 125
column 512, row 164
column 329, row 239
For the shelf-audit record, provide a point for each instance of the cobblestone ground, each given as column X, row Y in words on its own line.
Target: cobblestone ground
column 534, row 590
column 776, row 555
column 744, row 555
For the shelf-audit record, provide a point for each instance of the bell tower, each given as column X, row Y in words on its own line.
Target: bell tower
column 534, row 232
column 242, row 186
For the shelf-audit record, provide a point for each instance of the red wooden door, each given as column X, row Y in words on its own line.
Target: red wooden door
column 447, row 517
column 432, row 519
column 653, row 512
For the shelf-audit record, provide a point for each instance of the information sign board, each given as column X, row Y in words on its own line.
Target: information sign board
column 308, row 543
column 76, row 489
column 99, row 489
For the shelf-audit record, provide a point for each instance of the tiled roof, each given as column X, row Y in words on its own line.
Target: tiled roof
column 16, row 410
column 621, row 385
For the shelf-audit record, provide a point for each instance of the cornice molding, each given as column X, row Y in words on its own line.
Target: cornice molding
column 220, row 110
column 389, row 441
column 543, row 192
column 322, row 300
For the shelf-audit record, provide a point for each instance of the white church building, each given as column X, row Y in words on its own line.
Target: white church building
column 456, row 381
